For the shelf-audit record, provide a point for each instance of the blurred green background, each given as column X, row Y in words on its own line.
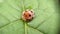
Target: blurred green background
column 46, row 21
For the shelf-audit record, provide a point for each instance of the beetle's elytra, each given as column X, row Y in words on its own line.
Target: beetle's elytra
column 27, row 15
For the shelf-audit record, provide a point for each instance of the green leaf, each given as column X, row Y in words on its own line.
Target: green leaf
column 45, row 21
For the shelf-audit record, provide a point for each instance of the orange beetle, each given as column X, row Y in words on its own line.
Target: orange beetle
column 27, row 15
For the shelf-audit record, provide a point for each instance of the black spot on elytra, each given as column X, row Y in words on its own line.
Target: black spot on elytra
column 31, row 11
column 29, row 15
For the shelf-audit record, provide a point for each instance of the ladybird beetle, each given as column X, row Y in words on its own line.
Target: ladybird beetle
column 27, row 15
